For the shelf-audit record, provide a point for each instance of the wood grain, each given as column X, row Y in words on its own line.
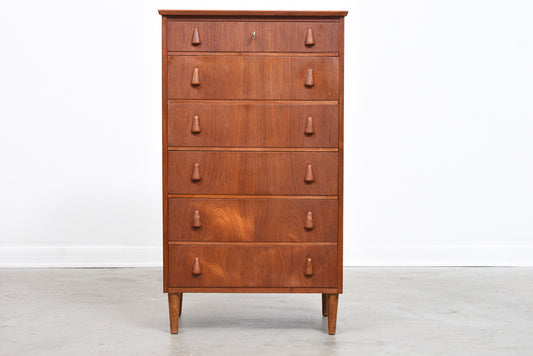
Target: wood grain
column 245, row 266
column 232, row 124
column 252, row 172
column 253, row 220
column 273, row 36
column 250, row 77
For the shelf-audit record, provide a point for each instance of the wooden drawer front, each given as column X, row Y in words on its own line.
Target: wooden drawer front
column 237, row 36
column 252, row 125
column 252, row 219
column 252, row 266
column 201, row 172
column 253, row 77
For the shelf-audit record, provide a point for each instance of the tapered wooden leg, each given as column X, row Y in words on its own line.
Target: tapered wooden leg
column 181, row 302
column 174, row 311
column 332, row 313
column 324, row 304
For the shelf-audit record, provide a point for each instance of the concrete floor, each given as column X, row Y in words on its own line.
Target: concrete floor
column 384, row 311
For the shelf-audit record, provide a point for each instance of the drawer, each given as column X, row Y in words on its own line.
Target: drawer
column 236, row 36
column 265, row 219
column 252, row 125
column 284, row 173
column 253, row 77
column 252, row 266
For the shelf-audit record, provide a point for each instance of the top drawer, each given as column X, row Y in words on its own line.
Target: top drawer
column 252, row 36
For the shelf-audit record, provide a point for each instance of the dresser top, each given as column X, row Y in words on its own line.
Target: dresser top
column 253, row 13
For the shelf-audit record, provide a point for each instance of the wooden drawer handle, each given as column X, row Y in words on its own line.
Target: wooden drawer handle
column 309, row 127
column 195, row 80
column 195, row 37
column 196, row 222
column 196, row 269
column 309, row 176
column 309, row 268
column 195, row 127
column 309, row 223
column 196, row 173
column 309, row 38
column 309, row 81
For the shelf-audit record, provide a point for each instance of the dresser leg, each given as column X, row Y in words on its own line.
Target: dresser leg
column 174, row 307
column 324, row 304
column 332, row 313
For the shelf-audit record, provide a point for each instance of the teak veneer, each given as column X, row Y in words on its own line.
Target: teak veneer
column 253, row 154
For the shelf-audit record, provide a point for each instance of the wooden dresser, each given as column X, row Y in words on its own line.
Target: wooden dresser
column 253, row 154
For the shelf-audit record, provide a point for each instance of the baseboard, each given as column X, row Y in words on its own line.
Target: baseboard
column 455, row 255
column 82, row 256
column 151, row 256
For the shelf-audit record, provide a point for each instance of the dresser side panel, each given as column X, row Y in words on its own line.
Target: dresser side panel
column 341, row 154
column 164, row 151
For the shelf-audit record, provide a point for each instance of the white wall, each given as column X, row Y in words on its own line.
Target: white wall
column 438, row 131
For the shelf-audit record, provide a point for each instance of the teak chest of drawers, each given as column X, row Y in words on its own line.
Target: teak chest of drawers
column 253, row 154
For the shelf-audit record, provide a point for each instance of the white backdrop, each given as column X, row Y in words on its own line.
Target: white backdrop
column 438, row 131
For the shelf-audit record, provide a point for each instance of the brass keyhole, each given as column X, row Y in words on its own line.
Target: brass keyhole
column 252, row 35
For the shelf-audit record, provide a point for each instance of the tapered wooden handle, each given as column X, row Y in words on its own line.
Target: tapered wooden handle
column 309, row 268
column 309, row 176
column 196, row 269
column 196, row 222
column 195, row 127
column 309, row 38
column 196, row 172
column 309, row 223
column 309, row 81
column 195, row 80
column 195, row 37
column 309, row 127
